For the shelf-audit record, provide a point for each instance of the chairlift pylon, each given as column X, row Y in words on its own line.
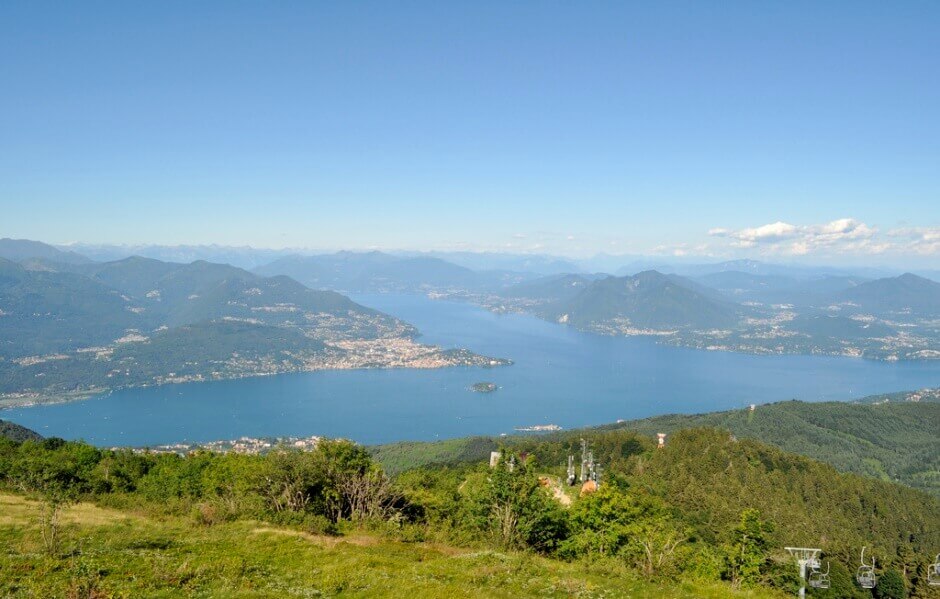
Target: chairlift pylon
column 865, row 576
column 806, row 558
column 933, row 572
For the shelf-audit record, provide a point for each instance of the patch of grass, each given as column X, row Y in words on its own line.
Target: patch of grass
column 107, row 553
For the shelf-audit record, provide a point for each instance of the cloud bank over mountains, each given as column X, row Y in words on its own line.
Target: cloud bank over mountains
column 841, row 237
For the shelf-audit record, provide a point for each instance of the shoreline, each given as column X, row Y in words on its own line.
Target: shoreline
column 29, row 400
column 675, row 338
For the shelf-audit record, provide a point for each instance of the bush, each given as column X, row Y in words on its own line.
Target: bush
column 890, row 586
column 317, row 524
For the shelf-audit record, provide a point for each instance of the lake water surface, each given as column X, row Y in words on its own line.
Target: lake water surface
column 560, row 376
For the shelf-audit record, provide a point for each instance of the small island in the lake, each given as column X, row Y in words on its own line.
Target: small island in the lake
column 483, row 387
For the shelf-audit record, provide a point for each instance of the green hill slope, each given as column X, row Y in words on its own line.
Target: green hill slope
column 15, row 432
column 893, row 441
column 130, row 554
column 47, row 312
column 704, row 515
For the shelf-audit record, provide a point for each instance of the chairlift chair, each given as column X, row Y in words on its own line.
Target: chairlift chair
column 933, row 572
column 865, row 576
column 819, row 579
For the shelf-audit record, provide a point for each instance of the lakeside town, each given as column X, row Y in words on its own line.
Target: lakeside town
column 241, row 445
column 101, row 371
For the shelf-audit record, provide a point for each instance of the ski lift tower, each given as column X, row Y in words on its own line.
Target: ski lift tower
column 805, row 556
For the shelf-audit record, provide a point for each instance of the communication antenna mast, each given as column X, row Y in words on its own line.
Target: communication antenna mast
column 584, row 461
column 571, row 474
column 805, row 556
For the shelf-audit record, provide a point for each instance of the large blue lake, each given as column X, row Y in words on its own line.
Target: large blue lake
column 560, row 376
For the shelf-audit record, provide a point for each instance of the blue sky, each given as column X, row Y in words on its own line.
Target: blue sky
column 793, row 130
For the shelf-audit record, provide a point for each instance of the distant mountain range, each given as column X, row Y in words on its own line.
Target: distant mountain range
column 17, row 250
column 745, row 286
column 741, row 305
column 531, row 264
column 83, row 305
column 891, row 318
column 755, row 267
column 242, row 257
column 377, row 272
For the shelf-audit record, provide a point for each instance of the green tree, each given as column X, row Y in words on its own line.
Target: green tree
column 511, row 506
column 57, row 473
column 747, row 551
column 890, row 585
column 636, row 526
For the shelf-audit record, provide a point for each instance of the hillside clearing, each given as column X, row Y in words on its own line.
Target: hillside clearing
column 113, row 553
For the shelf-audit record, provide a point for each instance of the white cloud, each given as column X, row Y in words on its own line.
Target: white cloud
column 840, row 236
column 924, row 241
column 772, row 232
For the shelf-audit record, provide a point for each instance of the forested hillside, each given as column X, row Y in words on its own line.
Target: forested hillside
column 707, row 515
column 15, row 432
column 895, row 441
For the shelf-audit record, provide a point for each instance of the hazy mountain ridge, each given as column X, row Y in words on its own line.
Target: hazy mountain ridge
column 378, row 272
column 906, row 294
column 16, row 250
column 741, row 305
column 648, row 300
column 744, row 286
column 551, row 288
column 890, row 319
